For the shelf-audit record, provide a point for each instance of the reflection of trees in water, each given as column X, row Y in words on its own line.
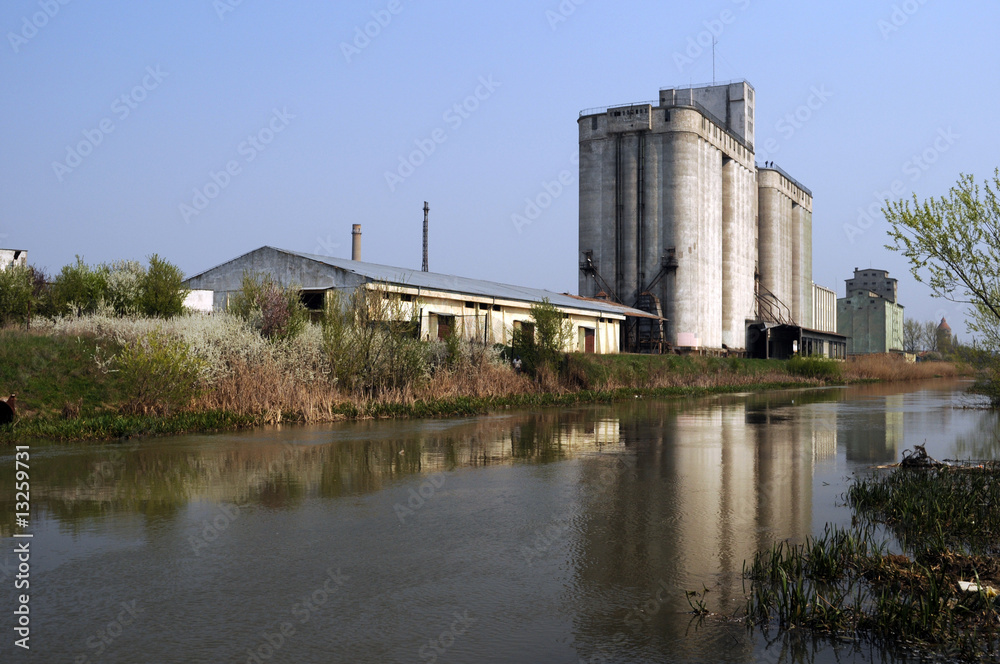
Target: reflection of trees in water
column 535, row 439
column 272, row 469
column 983, row 442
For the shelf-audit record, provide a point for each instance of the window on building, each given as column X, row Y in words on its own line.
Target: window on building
column 527, row 329
column 313, row 300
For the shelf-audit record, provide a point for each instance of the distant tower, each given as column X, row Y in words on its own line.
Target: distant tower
column 427, row 209
column 944, row 335
column 356, row 242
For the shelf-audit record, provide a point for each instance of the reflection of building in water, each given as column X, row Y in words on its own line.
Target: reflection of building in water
column 873, row 435
column 710, row 487
column 281, row 470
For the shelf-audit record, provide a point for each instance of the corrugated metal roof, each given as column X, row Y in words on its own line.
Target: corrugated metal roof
column 452, row 284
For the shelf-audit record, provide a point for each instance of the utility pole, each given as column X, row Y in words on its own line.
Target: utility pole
column 426, row 210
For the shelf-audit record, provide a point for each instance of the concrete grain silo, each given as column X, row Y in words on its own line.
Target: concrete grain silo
column 785, row 229
column 671, row 205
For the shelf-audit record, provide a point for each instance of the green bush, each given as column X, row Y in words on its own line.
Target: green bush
column 814, row 367
column 79, row 289
column 159, row 373
column 270, row 308
column 162, row 290
column 16, row 286
column 371, row 343
column 544, row 343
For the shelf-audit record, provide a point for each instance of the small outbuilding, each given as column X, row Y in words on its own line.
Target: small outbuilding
column 440, row 304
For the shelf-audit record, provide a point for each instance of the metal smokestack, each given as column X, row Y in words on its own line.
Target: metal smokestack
column 356, row 243
column 426, row 210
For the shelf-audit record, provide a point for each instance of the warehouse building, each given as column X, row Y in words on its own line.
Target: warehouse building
column 870, row 315
column 439, row 304
column 676, row 213
column 11, row 257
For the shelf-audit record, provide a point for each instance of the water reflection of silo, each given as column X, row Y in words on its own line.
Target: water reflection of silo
column 872, row 430
column 710, row 486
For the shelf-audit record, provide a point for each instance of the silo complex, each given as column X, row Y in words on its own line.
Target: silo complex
column 785, row 247
column 672, row 204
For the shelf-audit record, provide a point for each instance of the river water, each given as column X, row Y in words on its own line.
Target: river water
column 556, row 535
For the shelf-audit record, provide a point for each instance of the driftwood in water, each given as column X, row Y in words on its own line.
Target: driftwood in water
column 918, row 458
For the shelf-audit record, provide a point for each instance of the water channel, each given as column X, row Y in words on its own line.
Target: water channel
column 556, row 535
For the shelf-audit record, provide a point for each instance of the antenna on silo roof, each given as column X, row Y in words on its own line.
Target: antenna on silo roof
column 714, row 42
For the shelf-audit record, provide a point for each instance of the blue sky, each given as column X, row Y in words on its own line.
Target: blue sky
column 201, row 129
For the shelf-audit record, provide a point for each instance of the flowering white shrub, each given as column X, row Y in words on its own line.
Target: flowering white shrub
column 222, row 340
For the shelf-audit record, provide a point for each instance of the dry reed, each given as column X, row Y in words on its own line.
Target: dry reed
column 888, row 367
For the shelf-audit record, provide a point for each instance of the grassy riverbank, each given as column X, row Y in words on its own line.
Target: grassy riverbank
column 938, row 595
column 105, row 378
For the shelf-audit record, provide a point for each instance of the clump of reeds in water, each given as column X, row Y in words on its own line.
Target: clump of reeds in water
column 939, row 595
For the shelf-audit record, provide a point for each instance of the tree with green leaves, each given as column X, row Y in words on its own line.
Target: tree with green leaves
column 543, row 342
column 269, row 307
column 953, row 245
column 16, row 286
column 79, row 289
column 163, row 291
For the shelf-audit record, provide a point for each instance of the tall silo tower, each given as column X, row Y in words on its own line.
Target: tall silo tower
column 668, row 206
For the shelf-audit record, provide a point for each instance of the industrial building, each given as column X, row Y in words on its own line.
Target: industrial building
column 677, row 217
column 439, row 304
column 870, row 315
column 9, row 257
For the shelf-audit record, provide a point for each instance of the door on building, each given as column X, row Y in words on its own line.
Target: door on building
column 445, row 325
column 587, row 339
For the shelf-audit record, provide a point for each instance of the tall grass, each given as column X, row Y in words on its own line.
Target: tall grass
column 846, row 581
column 890, row 367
